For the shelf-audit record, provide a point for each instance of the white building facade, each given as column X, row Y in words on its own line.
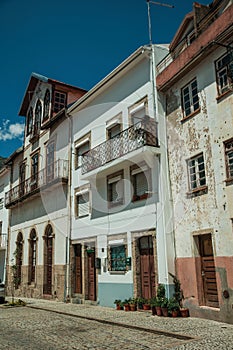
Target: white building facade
column 4, row 219
column 197, row 86
column 38, row 196
column 122, row 237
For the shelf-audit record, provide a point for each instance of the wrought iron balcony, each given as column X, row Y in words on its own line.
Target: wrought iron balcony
column 52, row 174
column 136, row 136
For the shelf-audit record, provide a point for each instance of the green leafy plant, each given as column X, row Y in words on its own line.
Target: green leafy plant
column 178, row 294
column 164, row 302
column 173, row 304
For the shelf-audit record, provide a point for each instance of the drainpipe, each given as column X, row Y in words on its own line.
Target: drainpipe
column 67, row 286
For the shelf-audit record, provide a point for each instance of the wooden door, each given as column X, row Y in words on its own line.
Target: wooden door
column 147, row 267
column 91, row 276
column 78, row 268
column 208, row 271
column 48, row 265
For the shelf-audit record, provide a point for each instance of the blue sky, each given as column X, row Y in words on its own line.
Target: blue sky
column 77, row 42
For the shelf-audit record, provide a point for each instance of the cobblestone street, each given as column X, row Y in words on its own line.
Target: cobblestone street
column 55, row 325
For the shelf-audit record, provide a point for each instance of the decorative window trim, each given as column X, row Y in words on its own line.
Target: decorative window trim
column 81, row 191
column 29, row 121
column 60, row 95
column 111, row 179
column 46, row 105
column 79, row 143
column 194, row 175
column 114, row 121
column 116, row 241
column 136, row 107
column 139, row 169
column 228, row 83
column 194, row 106
column 228, row 151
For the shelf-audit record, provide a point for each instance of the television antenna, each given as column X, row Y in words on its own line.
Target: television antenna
column 149, row 17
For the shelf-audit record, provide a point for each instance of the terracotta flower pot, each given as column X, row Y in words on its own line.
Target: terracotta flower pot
column 118, row 307
column 184, row 312
column 127, row 307
column 133, row 307
column 146, row 307
column 165, row 311
column 158, row 310
column 175, row 313
column 153, row 310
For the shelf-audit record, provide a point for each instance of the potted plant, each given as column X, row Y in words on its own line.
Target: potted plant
column 153, row 303
column 126, row 305
column 146, row 304
column 140, row 302
column 179, row 296
column 164, row 306
column 133, row 304
column 158, row 302
column 118, row 304
column 173, row 307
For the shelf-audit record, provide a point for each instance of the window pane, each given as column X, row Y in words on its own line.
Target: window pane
column 83, row 204
column 118, row 258
column 141, row 184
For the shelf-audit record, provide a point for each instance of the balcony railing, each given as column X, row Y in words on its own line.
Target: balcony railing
column 57, row 171
column 3, row 240
column 139, row 135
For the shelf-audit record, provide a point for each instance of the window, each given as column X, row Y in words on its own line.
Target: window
column 22, row 174
column 1, row 203
column 196, row 170
column 32, row 256
column 59, row 101
column 117, row 258
column 81, row 147
column 138, row 112
column 191, row 37
column 190, row 98
column 115, row 189
column 50, row 161
column 18, row 260
column 141, row 181
column 46, row 105
column 229, row 159
column 34, row 170
column 29, row 122
column 224, row 72
column 82, row 202
column 38, row 114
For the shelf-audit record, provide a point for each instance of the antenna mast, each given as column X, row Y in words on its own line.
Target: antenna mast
column 149, row 17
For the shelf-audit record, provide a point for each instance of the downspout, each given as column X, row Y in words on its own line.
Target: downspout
column 67, row 286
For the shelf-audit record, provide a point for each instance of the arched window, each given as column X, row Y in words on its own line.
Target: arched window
column 18, row 260
column 32, row 256
column 38, row 114
column 48, row 260
column 46, row 105
column 29, row 121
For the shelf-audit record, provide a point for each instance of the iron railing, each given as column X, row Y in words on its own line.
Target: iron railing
column 47, row 176
column 136, row 136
